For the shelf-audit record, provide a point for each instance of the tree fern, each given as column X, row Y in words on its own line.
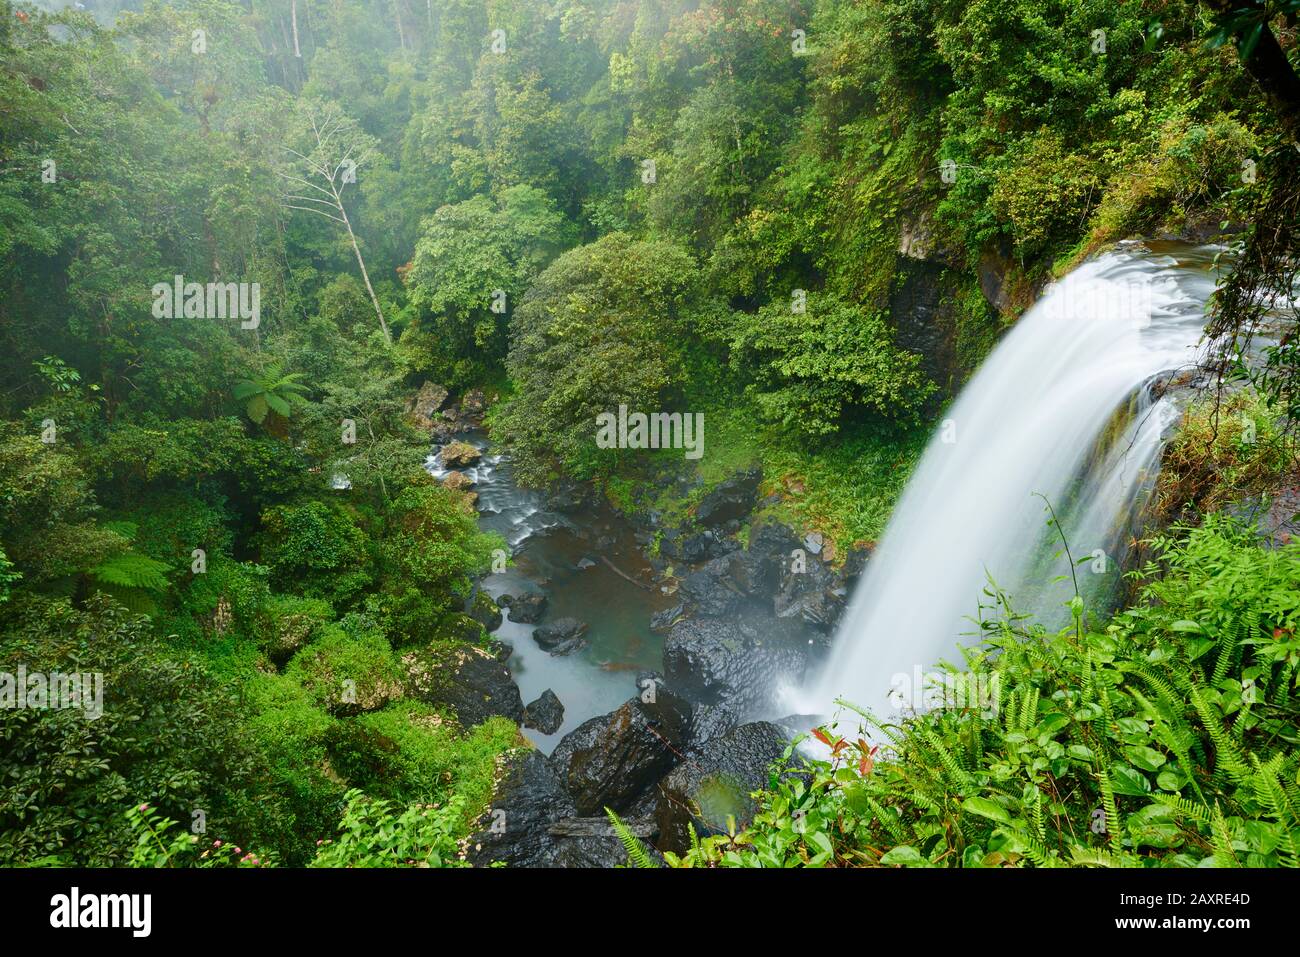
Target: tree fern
column 131, row 571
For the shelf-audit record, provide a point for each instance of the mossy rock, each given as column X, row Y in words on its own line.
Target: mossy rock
column 473, row 681
column 287, row 623
column 348, row 675
column 459, row 454
column 485, row 611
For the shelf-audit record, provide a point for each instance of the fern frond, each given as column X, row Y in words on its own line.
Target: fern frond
column 636, row 851
column 131, row 571
column 1113, row 823
column 1227, row 753
column 1224, row 856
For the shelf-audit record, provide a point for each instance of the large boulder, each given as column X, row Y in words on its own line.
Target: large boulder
column 458, row 482
column 474, row 682
column 593, row 842
column 459, row 454
column 706, row 659
column 810, row 593
column 611, row 760
column 532, row 822
column 526, row 609
column 424, row 405
column 485, row 611
column 546, row 714
column 515, row 829
column 683, row 546
column 770, row 554
column 561, row 634
column 716, row 784
column 730, row 500
column 711, row 590
column 734, row 661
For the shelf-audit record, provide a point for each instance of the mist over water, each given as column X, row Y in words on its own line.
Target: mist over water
column 1062, row 408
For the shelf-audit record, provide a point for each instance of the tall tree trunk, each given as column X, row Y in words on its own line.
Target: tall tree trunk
column 365, row 274
column 293, row 12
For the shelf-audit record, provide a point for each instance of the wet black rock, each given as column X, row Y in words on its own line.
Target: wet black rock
column 662, row 621
column 532, row 822
column 716, row 783
column 473, row 681
column 515, row 828
column 705, row 658
column 731, row 499
column 648, row 684
column 546, row 714
column 709, row 721
column 712, row 660
column 810, row 594
column 1275, row 514
column 682, row 546
column 568, row 647
column 611, row 760
column 593, row 842
column 711, row 591
column 526, row 608
column 561, row 632
column 770, row 555
column 855, row 563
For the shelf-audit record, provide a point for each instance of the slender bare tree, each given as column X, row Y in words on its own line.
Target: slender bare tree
column 332, row 149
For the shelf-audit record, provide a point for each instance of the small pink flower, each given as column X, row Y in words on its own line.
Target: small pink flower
column 238, row 851
column 216, row 843
column 143, row 807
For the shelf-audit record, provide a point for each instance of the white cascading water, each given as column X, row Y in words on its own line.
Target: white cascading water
column 1060, row 409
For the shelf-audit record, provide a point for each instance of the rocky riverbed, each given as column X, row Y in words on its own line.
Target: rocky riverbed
column 657, row 696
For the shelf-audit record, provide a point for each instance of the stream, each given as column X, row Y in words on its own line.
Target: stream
column 561, row 556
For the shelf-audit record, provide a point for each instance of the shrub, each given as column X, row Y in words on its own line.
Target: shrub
column 377, row 834
column 169, row 736
column 315, row 548
column 410, row 752
column 813, row 371
column 1223, row 452
column 348, row 673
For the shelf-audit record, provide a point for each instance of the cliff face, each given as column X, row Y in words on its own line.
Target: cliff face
column 948, row 313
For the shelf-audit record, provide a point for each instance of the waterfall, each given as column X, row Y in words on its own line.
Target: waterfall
column 1061, row 409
